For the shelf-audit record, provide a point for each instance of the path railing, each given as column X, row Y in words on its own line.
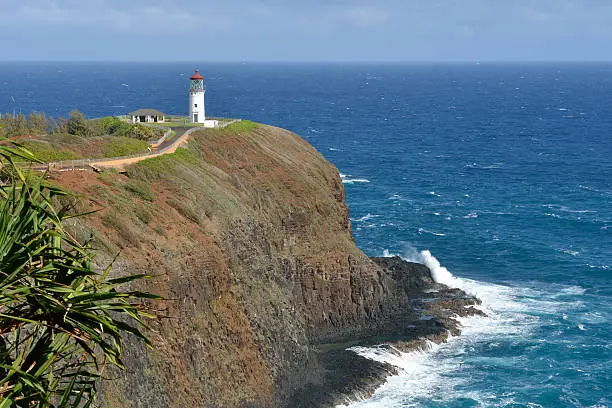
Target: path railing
column 161, row 139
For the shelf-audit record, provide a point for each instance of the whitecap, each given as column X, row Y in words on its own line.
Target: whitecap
column 572, row 290
column 472, row 214
column 351, row 181
column 364, row 218
column 569, row 252
column 593, row 189
column 333, row 149
column 346, row 180
column 424, row 231
column 604, row 267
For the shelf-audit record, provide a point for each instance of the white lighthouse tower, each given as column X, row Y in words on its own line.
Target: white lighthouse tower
column 197, row 113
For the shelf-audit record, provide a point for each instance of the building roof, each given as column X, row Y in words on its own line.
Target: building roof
column 147, row 112
column 197, row 75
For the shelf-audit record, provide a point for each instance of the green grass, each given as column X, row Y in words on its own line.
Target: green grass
column 153, row 168
column 46, row 152
column 185, row 209
column 143, row 214
column 123, row 146
column 242, row 126
column 140, row 188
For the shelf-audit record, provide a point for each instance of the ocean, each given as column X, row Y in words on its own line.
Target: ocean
column 497, row 176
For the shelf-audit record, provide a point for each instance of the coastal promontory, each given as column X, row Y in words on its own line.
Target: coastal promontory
column 247, row 234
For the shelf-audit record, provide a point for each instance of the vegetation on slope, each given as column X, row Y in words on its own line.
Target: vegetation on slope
column 75, row 137
column 37, row 124
column 60, row 321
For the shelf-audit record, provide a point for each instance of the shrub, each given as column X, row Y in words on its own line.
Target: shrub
column 141, row 188
column 143, row 214
column 184, row 209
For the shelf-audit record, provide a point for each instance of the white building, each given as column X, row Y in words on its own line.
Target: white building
column 197, row 110
column 147, row 116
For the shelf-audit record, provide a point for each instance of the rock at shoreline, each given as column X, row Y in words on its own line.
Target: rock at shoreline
column 350, row 376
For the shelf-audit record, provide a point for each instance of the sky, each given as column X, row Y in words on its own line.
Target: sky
column 306, row 30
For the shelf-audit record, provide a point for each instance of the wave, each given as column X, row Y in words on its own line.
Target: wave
column 566, row 209
column 351, row 181
column 346, row 180
column 569, row 252
column 484, row 167
column 365, row 218
column 424, row 231
column 595, row 190
column 442, row 373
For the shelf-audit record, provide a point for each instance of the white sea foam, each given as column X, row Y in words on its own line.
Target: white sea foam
column 424, row 231
column 347, row 180
column 351, row 181
column 439, row 373
column 596, row 190
column 566, row 209
column 365, row 218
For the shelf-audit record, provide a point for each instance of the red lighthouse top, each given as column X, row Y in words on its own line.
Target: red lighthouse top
column 197, row 76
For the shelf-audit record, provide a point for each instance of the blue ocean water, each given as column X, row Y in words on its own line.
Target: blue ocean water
column 501, row 173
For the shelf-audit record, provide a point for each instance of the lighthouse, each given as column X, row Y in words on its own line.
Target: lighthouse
column 197, row 113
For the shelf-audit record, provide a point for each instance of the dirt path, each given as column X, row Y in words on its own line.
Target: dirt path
column 119, row 163
column 167, row 147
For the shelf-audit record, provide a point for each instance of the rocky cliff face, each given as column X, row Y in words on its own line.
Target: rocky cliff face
column 248, row 236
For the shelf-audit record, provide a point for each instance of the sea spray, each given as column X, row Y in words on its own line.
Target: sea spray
column 440, row 373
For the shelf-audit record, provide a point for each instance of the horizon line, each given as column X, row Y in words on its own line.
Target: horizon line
column 355, row 62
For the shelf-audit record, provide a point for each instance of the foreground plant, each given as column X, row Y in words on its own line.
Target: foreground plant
column 60, row 321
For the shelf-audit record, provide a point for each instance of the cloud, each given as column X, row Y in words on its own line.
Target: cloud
column 365, row 16
column 314, row 29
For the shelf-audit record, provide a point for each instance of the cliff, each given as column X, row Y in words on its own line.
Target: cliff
column 248, row 236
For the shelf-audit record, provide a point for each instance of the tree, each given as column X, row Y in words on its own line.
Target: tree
column 59, row 319
column 16, row 125
column 37, row 123
column 77, row 124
